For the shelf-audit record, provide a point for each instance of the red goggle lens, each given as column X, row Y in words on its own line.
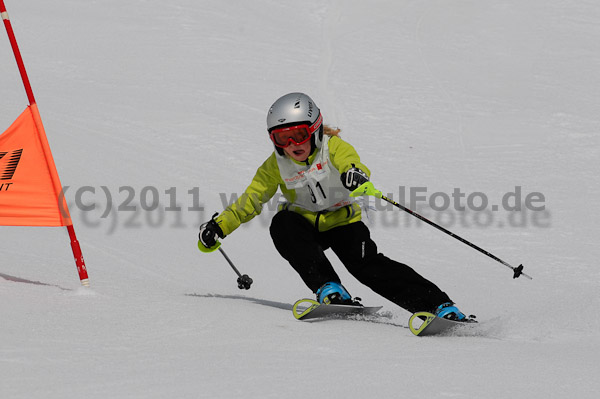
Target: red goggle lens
column 298, row 134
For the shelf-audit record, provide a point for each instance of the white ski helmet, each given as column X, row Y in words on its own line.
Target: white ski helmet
column 294, row 109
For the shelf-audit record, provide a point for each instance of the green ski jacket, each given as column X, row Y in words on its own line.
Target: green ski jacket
column 267, row 180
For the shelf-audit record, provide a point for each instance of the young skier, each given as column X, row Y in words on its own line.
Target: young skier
column 316, row 171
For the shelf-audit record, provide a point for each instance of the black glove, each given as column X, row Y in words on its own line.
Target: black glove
column 209, row 232
column 353, row 178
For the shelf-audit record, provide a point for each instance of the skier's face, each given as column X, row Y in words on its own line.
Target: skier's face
column 298, row 153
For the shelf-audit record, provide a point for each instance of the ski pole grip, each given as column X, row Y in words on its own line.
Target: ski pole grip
column 202, row 248
column 366, row 189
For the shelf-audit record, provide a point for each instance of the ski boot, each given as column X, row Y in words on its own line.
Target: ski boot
column 449, row 311
column 335, row 293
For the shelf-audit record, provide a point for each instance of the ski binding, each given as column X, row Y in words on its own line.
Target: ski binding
column 306, row 309
column 433, row 325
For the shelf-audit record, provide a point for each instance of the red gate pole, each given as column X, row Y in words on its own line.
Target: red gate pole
column 77, row 254
column 15, row 48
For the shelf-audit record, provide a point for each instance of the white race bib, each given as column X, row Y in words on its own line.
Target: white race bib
column 317, row 186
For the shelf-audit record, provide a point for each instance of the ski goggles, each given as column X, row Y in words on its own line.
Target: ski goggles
column 297, row 134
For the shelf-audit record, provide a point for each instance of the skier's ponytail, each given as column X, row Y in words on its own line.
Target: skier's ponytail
column 331, row 131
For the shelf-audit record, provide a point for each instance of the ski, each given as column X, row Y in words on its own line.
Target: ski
column 306, row 309
column 433, row 325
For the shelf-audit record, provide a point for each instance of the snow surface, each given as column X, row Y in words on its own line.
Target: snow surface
column 481, row 96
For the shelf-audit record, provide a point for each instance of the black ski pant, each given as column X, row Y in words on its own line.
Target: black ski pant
column 303, row 247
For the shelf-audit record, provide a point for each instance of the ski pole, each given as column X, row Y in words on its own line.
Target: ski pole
column 369, row 189
column 244, row 281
